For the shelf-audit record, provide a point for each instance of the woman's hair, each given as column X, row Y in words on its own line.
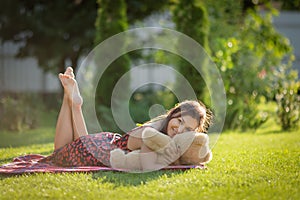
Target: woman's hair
column 195, row 109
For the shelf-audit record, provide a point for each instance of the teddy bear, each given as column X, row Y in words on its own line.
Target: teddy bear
column 193, row 146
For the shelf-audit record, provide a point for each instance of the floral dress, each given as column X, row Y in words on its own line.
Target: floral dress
column 88, row 150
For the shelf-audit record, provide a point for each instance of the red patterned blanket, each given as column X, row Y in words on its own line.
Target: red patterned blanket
column 29, row 164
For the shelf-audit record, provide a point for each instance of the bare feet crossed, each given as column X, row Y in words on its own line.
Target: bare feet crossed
column 70, row 87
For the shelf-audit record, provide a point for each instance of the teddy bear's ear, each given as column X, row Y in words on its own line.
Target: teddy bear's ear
column 154, row 139
column 201, row 139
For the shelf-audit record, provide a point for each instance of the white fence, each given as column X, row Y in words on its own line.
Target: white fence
column 22, row 75
column 288, row 24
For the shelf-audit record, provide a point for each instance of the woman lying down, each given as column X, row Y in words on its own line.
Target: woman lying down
column 157, row 142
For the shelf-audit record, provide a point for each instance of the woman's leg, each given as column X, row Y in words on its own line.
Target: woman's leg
column 79, row 126
column 64, row 128
column 70, row 123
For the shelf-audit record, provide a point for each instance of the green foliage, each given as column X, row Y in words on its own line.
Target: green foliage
column 138, row 10
column 111, row 20
column 21, row 113
column 191, row 18
column 56, row 32
column 225, row 18
column 242, row 93
column 52, row 31
column 291, row 5
column 247, row 63
column 287, row 98
column 106, row 119
column 141, row 102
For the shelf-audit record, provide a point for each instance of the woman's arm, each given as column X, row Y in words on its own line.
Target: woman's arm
column 135, row 138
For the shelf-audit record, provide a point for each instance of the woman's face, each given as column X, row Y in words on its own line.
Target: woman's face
column 181, row 124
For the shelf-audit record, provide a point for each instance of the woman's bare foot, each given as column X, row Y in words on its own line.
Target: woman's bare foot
column 70, row 87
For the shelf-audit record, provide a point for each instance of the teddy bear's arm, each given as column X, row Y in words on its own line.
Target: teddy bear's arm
column 149, row 159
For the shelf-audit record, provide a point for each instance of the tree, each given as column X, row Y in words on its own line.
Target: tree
column 291, row 5
column 191, row 18
column 58, row 32
column 140, row 9
column 111, row 19
column 54, row 32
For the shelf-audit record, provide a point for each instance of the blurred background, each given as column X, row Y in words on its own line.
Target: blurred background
column 254, row 43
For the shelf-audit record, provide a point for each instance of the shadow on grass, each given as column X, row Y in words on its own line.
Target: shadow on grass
column 44, row 132
column 274, row 131
column 133, row 179
column 267, row 132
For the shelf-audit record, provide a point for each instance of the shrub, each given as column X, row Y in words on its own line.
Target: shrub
column 288, row 99
column 19, row 113
column 247, row 63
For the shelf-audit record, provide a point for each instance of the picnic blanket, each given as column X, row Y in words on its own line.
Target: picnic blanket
column 29, row 164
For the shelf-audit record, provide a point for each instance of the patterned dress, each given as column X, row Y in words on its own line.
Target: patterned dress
column 89, row 150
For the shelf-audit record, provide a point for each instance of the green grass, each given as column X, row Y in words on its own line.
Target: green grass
column 42, row 135
column 264, row 164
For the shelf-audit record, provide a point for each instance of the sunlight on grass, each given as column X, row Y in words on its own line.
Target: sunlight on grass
column 7, row 154
column 42, row 135
column 245, row 166
column 37, row 136
column 261, row 164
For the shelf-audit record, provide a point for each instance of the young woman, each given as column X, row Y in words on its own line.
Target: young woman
column 75, row 147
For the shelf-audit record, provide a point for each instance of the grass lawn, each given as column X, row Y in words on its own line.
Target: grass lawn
column 255, row 165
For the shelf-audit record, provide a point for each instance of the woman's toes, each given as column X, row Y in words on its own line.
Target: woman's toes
column 60, row 75
column 69, row 71
column 65, row 76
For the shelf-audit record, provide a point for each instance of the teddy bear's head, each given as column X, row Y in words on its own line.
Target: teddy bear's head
column 193, row 145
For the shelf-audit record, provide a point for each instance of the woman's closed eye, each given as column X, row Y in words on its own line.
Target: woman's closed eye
column 188, row 129
column 182, row 123
column 180, row 120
